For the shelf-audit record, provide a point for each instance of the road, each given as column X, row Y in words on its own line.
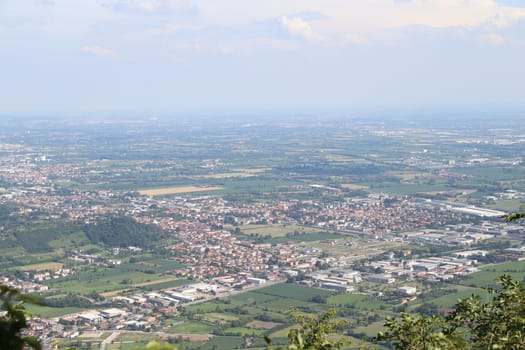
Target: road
column 109, row 340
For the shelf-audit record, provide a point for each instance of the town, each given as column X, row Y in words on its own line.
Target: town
column 112, row 261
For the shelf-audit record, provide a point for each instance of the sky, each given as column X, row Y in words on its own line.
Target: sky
column 247, row 56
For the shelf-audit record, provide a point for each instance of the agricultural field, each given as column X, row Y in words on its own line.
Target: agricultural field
column 277, row 231
column 266, row 311
column 125, row 277
column 489, row 173
column 354, row 187
column 293, row 291
column 236, row 173
column 262, row 324
column 177, row 190
column 51, row 266
column 49, row 312
column 406, row 189
column 352, row 246
column 307, row 237
column 489, row 274
column 473, row 284
column 192, row 327
column 513, row 205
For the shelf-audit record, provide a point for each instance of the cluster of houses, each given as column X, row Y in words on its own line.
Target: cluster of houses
column 24, row 286
column 78, row 256
column 376, row 214
column 52, row 274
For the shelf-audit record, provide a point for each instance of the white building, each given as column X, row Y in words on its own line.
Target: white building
column 407, row 290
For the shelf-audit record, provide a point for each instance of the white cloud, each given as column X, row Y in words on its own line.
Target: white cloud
column 355, row 21
column 234, row 23
column 298, row 27
column 99, row 51
column 148, row 6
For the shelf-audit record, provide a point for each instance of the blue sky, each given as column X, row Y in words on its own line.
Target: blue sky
column 247, row 56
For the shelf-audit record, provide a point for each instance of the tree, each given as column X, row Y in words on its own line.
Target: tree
column 498, row 323
column 13, row 320
column 514, row 217
column 420, row 332
column 313, row 332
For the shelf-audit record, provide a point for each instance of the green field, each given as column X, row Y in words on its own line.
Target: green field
column 192, row 327
column 123, row 276
column 223, row 342
column 49, row 312
column 489, row 274
column 371, row 329
column 513, row 205
column 273, row 304
column 451, row 299
column 359, row 301
column 307, row 237
column 494, row 173
column 219, row 318
column 278, row 230
column 405, row 189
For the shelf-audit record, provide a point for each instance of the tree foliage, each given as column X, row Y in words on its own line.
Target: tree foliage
column 13, row 320
column 122, row 231
column 420, row 332
column 497, row 323
column 514, row 217
column 313, row 332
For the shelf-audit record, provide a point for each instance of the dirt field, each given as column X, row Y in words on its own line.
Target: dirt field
column 196, row 337
column 262, row 325
column 42, row 267
column 113, row 293
column 155, row 282
column 91, row 335
column 283, row 332
column 256, row 170
column 218, row 318
column 177, row 190
column 353, row 187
